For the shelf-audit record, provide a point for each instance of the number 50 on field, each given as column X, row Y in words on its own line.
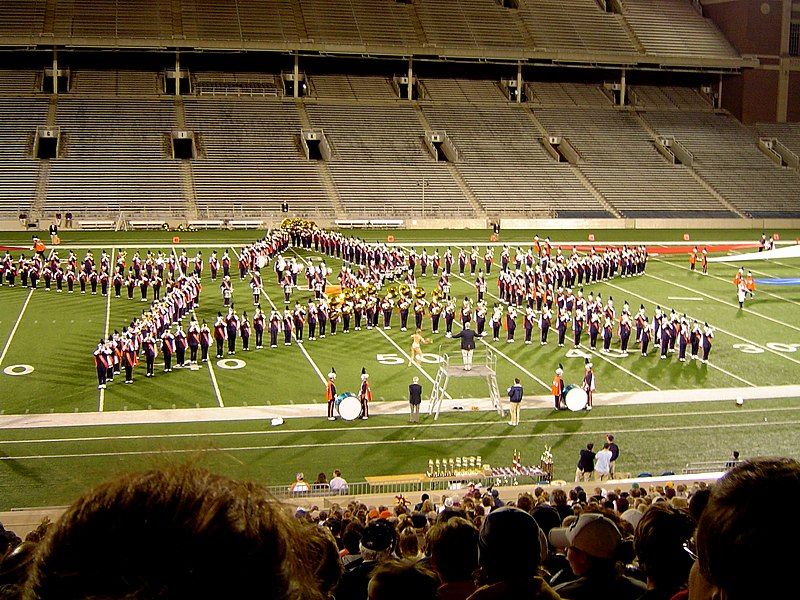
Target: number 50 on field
column 776, row 346
column 396, row 359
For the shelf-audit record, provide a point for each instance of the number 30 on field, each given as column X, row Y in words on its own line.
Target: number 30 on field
column 395, row 359
column 777, row 346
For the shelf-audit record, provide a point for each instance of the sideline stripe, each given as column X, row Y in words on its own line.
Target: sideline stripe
column 502, row 422
column 709, row 296
column 101, row 403
column 728, row 333
column 340, row 444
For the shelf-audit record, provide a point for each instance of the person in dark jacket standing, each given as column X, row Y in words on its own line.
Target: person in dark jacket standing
column 414, row 399
column 585, row 464
column 614, row 448
column 515, row 399
column 467, row 345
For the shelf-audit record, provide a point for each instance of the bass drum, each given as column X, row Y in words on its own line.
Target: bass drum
column 575, row 397
column 348, row 406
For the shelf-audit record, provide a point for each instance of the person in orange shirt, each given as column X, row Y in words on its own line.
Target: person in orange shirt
column 558, row 388
column 738, row 277
column 693, row 259
column 705, row 261
column 38, row 247
column 750, row 284
column 330, row 393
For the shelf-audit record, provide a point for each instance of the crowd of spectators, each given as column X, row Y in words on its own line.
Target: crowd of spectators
column 186, row 533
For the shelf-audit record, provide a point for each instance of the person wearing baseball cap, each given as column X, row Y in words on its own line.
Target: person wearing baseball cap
column 592, row 543
column 377, row 544
column 510, row 555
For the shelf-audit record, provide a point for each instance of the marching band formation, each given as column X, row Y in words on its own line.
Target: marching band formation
column 539, row 289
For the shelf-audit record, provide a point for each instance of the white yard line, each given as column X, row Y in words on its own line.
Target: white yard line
column 728, row 333
column 715, row 299
column 101, row 403
column 618, row 366
column 438, row 424
column 16, row 325
column 764, row 293
column 340, row 444
column 213, row 375
column 687, row 298
column 322, row 377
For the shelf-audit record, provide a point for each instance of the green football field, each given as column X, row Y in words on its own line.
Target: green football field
column 50, row 337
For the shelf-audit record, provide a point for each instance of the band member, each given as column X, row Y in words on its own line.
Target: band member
column 436, row 313
column 322, row 316
column 419, row 313
column 226, row 287
column 683, row 339
column 205, row 340
column 496, row 321
column 545, row 319
column 750, row 284
column 181, row 343
column 232, row 329
column 298, row 320
column 256, row 286
column 274, row 328
column 480, row 318
column 589, row 384
column 480, row 286
column 101, row 365
column 244, row 331
column 741, row 293
column 528, row 322
column 449, row 317
column 220, row 334
column 167, row 349
column 386, row 309
column 707, row 341
column 577, row 327
column 511, row 324
column 704, row 260
column 561, row 326
column 404, row 305
column 213, row 265
column 624, row 333
column 693, row 259
column 193, row 340
column 330, row 393
column 312, row 314
column 364, row 394
column 347, row 313
column 416, row 350
column 558, row 388
column 150, row 351
column 644, row 339
column 287, row 327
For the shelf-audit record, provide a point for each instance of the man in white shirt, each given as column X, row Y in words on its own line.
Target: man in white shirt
column 338, row 484
column 602, row 465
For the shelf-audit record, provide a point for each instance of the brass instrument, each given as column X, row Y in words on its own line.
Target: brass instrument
column 392, row 293
column 405, row 290
column 420, row 293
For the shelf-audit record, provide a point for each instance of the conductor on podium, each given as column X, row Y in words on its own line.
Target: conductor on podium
column 467, row 345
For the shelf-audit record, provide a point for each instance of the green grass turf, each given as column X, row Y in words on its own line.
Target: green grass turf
column 51, row 466
column 58, row 331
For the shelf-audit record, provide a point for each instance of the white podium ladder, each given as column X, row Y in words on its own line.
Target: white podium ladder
column 446, row 371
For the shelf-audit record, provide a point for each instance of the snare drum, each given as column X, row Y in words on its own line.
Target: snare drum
column 348, row 406
column 575, row 397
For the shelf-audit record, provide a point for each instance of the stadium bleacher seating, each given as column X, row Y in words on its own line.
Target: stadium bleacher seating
column 115, row 159
column 620, row 159
column 727, row 157
column 19, row 172
column 379, row 157
column 251, row 159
